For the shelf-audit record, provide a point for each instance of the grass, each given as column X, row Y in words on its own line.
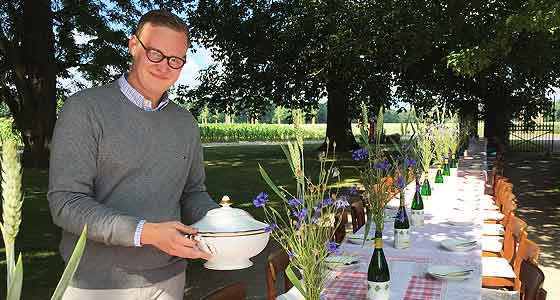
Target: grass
column 230, row 170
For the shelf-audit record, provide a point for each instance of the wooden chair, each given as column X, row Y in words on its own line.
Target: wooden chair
column 527, row 251
column 277, row 262
column 234, row 291
column 532, row 279
column 514, row 231
column 358, row 215
column 507, row 203
column 341, row 219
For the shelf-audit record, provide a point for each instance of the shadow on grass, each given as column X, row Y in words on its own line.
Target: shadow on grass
column 536, row 179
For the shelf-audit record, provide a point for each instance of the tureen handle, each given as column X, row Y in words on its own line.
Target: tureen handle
column 226, row 202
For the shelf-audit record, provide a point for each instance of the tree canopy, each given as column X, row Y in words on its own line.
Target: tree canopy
column 45, row 40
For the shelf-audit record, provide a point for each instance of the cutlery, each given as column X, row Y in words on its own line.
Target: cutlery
column 454, row 274
column 465, row 244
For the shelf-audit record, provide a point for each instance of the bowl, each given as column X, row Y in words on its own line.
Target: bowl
column 232, row 236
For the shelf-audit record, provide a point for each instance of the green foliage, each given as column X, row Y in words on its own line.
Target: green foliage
column 256, row 132
column 4, row 110
column 7, row 131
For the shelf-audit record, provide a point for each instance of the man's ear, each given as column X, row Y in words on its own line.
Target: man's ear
column 132, row 45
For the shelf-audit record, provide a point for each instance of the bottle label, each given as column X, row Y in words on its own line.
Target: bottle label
column 402, row 238
column 379, row 243
column 417, row 217
column 378, row 290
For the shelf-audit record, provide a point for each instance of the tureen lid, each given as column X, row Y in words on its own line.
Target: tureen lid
column 228, row 220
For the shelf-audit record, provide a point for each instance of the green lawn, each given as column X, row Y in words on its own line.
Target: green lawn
column 231, row 170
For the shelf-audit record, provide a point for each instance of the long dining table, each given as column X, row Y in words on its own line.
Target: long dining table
column 458, row 198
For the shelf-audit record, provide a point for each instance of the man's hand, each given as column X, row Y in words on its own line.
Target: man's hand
column 170, row 238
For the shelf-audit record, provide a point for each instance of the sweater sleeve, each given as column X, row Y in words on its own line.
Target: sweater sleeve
column 195, row 201
column 72, row 174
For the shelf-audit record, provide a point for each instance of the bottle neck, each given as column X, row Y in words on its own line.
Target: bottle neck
column 401, row 199
column 378, row 240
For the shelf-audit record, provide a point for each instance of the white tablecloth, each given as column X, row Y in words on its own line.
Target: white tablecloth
column 458, row 198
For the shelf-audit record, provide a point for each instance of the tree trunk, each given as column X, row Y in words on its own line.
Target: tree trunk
column 468, row 114
column 496, row 120
column 35, row 78
column 339, row 127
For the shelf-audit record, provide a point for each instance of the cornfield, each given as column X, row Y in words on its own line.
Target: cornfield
column 218, row 133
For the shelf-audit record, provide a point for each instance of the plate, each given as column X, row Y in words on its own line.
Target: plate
column 358, row 238
column 341, row 262
column 460, row 222
column 459, row 244
column 451, row 273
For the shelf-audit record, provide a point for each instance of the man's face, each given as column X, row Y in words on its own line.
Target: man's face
column 157, row 77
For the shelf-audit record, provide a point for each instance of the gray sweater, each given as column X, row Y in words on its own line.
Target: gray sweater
column 113, row 164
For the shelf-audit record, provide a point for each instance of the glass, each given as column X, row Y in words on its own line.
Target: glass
column 157, row 56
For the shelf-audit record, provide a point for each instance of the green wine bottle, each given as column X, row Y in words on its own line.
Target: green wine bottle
column 439, row 176
column 426, row 188
column 417, row 208
column 402, row 226
column 453, row 161
column 378, row 276
column 446, row 170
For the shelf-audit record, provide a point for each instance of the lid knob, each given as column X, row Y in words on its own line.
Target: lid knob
column 226, row 202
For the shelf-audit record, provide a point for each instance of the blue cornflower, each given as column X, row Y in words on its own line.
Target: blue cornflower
column 410, row 162
column 353, row 190
column 261, row 200
column 331, row 247
column 291, row 255
column 401, row 183
column 382, row 165
column 270, row 227
column 342, row 202
column 301, row 214
column 360, row 154
column 294, row 202
column 326, row 202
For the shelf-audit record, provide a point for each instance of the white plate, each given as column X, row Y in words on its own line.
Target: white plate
column 358, row 238
column 441, row 271
column 459, row 244
column 460, row 222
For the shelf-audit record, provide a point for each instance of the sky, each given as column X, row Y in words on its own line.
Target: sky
column 197, row 60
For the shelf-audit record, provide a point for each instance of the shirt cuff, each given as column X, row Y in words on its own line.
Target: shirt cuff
column 138, row 233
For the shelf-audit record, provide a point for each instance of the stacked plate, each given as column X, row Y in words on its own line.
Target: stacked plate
column 448, row 272
column 459, row 244
column 358, row 238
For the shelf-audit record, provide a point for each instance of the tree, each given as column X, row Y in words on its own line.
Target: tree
column 45, row 40
column 292, row 53
column 515, row 64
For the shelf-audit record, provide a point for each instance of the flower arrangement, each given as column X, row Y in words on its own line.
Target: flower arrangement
column 375, row 173
column 306, row 227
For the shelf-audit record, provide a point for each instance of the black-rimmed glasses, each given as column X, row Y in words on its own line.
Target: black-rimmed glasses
column 157, row 56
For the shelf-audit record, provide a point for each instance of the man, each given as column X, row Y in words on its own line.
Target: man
column 128, row 163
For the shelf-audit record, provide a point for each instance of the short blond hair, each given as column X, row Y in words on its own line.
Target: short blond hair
column 165, row 18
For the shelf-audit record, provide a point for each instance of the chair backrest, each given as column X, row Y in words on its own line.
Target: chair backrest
column 528, row 251
column 514, row 230
column 358, row 215
column 341, row 219
column 532, row 278
column 508, row 206
column 277, row 262
column 234, row 291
